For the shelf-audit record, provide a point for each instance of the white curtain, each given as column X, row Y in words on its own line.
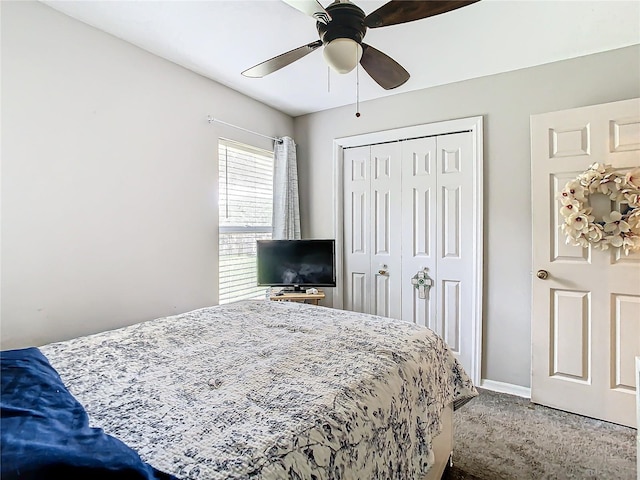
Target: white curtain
column 286, row 204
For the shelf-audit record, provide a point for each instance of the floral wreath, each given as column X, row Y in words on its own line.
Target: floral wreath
column 620, row 228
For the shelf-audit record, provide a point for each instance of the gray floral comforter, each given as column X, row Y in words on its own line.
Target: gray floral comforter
column 268, row 390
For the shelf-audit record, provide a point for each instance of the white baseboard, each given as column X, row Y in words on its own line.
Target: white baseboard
column 509, row 388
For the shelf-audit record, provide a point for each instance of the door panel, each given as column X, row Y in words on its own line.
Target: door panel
column 419, row 199
column 451, row 314
column 357, row 221
column 357, row 292
column 624, row 134
column 451, row 222
column 381, row 222
column 625, row 324
column 358, row 224
column 585, row 315
column 422, row 216
column 387, row 229
column 455, row 254
column 569, row 341
column 382, row 293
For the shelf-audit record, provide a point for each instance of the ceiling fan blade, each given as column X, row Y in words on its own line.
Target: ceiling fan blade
column 282, row 60
column 383, row 69
column 402, row 11
column 311, row 8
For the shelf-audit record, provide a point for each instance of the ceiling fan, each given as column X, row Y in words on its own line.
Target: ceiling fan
column 343, row 25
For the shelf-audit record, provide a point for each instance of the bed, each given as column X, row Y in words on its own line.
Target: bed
column 269, row 390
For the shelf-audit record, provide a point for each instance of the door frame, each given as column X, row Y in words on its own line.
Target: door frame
column 470, row 124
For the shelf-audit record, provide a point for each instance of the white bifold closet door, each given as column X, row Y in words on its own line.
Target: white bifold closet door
column 408, row 207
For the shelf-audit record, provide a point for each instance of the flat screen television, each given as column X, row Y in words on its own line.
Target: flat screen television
column 296, row 264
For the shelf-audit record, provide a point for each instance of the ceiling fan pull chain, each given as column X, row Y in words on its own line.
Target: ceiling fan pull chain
column 328, row 79
column 357, row 87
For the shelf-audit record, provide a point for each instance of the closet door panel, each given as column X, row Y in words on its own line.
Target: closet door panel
column 386, row 231
column 419, row 233
column 357, row 227
column 455, row 260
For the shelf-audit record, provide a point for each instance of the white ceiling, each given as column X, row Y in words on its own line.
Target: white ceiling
column 220, row 38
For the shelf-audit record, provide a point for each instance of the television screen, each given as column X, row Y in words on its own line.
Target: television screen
column 296, row 263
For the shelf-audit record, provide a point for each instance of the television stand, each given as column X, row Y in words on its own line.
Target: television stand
column 295, row 296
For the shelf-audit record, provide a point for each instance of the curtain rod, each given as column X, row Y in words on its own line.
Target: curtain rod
column 211, row 120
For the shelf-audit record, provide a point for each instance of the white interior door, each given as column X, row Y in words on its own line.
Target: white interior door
column 586, row 313
column 419, row 195
column 373, row 229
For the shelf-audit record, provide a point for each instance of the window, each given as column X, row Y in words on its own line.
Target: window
column 246, row 205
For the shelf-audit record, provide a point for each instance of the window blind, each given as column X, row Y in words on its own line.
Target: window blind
column 245, row 206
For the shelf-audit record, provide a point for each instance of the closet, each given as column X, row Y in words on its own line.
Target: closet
column 411, row 231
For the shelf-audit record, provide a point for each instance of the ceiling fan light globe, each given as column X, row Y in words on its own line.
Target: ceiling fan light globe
column 342, row 54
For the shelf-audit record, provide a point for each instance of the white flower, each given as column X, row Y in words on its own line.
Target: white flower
column 564, row 197
column 591, row 177
column 619, row 196
column 634, row 219
column 632, row 197
column 604, row 186
column 614, row 224
column 602, row 245
column 582, row 242
column 588, row 177
column 572, row 190
column 632, row 178
column 620, row 182
column 578, row 221
column 574, row 238
column 616, row 241
column 570, row 208
column 631, row 243
column 595, row 233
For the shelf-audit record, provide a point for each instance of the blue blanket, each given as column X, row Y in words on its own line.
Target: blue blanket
column 45, row 431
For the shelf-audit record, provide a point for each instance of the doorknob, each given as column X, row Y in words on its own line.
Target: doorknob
column 383, row 270
column 542, row 274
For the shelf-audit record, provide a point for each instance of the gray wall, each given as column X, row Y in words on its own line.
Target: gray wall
column 109, row 179
column 506, row 101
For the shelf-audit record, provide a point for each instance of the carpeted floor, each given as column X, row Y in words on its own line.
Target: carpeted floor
column 499, row 436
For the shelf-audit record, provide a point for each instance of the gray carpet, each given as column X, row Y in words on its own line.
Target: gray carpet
column 499, row 436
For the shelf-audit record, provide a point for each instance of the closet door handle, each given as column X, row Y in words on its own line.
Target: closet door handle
column 422, row 282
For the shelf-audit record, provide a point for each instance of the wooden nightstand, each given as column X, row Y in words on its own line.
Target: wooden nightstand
column 312, row 298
